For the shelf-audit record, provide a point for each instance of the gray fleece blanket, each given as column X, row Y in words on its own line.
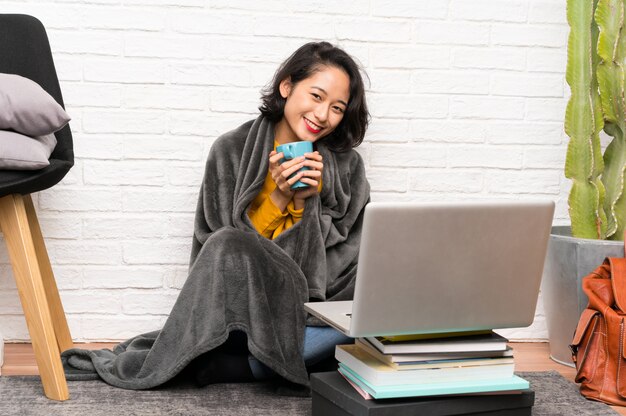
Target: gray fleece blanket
column 239, row 280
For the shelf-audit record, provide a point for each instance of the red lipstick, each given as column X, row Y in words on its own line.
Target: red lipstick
column 310, row 126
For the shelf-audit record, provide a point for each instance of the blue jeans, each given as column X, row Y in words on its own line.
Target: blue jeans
column 319, row 344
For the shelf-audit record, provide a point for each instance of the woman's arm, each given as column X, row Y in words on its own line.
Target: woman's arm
column 279, row 199
column 266, row 216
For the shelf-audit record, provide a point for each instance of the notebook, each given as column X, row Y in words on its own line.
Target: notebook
column 437, row 267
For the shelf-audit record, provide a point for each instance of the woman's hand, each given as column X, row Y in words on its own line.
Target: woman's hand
column 311, row 177
column 280, row 175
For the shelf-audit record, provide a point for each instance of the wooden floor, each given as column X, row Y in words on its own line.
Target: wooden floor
column 19, row 359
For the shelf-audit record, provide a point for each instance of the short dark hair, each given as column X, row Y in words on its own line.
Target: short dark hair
column 309, row 58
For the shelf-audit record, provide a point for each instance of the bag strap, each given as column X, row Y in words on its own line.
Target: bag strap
column 618, row 278
column 618, row 281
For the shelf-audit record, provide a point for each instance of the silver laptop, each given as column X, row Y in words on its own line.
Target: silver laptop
column 444, row 267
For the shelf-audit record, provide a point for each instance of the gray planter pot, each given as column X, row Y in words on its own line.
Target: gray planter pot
column 568, row 260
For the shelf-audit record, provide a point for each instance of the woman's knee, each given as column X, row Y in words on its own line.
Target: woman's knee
column 234, row 241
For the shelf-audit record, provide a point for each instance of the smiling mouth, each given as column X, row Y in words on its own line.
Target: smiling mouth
column 312, row 127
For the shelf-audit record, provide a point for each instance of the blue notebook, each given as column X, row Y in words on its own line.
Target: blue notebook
column 435, row 389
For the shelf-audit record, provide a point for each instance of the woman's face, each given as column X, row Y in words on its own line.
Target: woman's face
column 315, row 106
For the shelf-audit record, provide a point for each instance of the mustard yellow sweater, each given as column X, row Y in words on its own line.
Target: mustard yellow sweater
column 268, row 220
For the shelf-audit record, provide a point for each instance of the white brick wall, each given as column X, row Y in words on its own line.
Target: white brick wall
column 467, row 101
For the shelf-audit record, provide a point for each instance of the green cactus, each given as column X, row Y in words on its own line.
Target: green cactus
column 596, row 54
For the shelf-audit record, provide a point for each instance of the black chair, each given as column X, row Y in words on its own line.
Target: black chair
column 25, row 50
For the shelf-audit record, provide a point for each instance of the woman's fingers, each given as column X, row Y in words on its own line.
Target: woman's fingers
column 275, row 161
column 314, row 165
column 275, row 157
column 314, row 160
column 298, row 176
column 316, row 174
column 309, row 181
column 314, row 155
column 310, row 177
column 283, row 169
column 291, row 170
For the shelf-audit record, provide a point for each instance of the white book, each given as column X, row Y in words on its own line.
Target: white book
column 486, row 342
column 379, row 373
column 401, row 360
column 416, row 361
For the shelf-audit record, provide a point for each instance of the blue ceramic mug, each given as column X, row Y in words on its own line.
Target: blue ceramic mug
column 293, row 150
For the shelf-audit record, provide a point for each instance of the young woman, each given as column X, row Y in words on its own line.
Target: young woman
column 260, row 249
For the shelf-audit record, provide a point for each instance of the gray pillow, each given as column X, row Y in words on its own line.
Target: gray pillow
column 27, row 108
column 19, row 152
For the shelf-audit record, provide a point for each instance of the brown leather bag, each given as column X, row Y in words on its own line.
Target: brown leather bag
column 599, row 344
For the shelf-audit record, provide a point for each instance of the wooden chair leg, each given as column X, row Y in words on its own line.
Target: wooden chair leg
column 28, row 278
column 59, row 321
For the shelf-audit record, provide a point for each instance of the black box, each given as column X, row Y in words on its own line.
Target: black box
column 333, row 396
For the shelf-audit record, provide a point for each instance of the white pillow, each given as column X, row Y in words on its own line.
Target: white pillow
column 19, row 152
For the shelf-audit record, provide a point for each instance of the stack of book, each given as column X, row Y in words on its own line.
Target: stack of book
column 443, row 364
